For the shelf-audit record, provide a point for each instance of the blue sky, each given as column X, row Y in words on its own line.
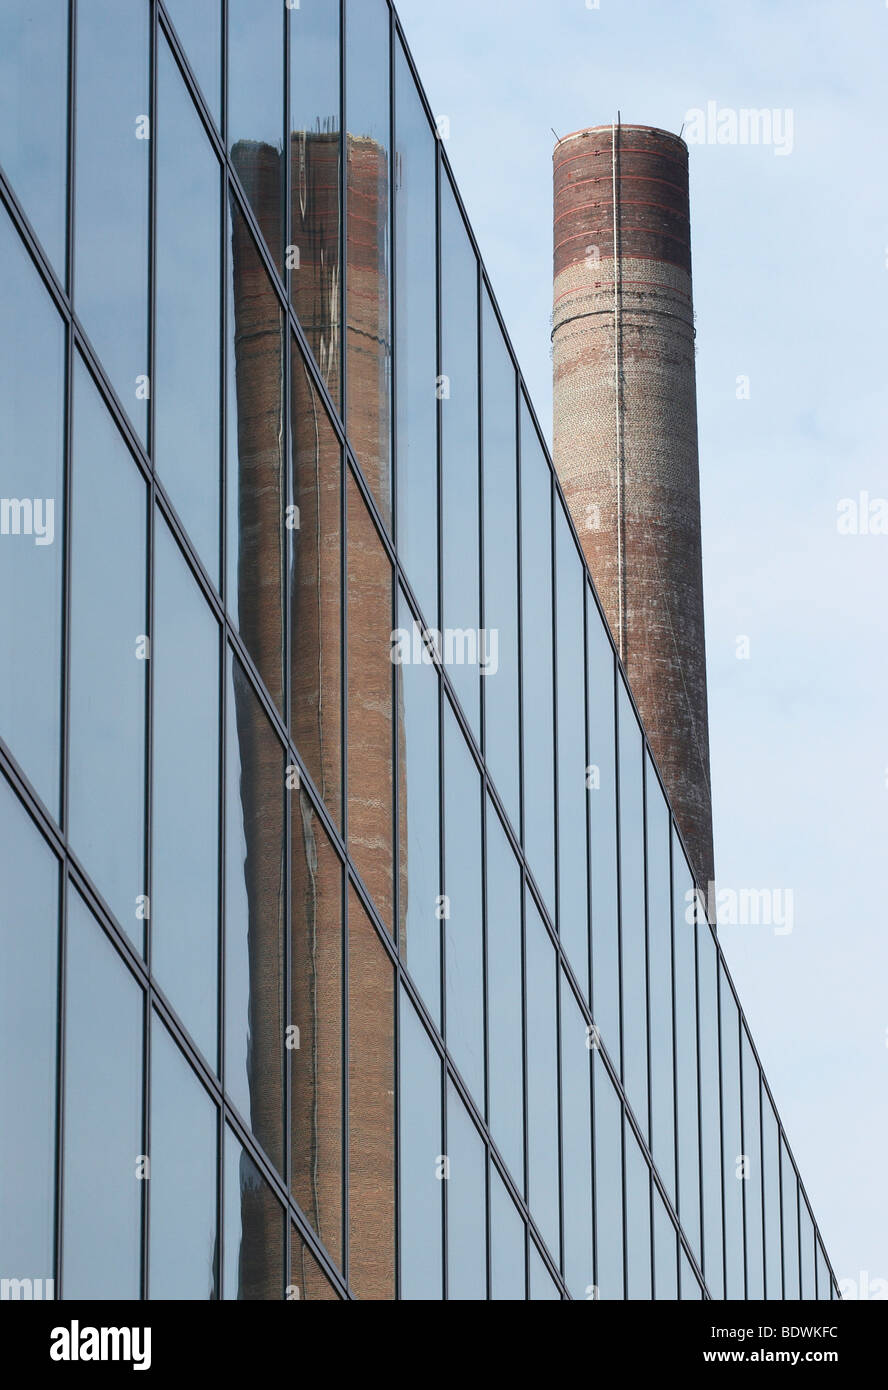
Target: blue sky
column 790, row 281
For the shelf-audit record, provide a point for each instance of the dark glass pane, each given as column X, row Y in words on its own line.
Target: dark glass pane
column 467, row 651
column 257, row 489
column 806, row 1234
column 307, row 1280
column 601, row 778
column 501, row 564
column 504, row 1008
column 542, row 1286
column 573, row 899
column 659, row 906
column 368, row 250
column 370, row 675
column 32, row 404
column 255, row 1230
column 199, row 27
column 507, row 1240
column 752, row 1149
column 29, row 913
column 684, row 947
column 464, row 951
column 185, row 907
column 104, row 1159
column 536, row 630
column 542, row 1078
column 183, row 1176
column 371, row 1110
column 314, row 1031
column 608, row 1151
column 732, row 1144
column 111, row 216
column 109, row 659
column 313, row 254
column 421, row 1161
column 638, row 1220
column 632, row 920
column 315, row 528
column 665, row 1252
column 418, row 814
column 790, row 1189
column 771, row 1179
column 34, row 116
column 710, row 1113
column 256, row 110
column 576, row 1144
column 416, row 355
column 466, row 1205
column 189, row 337
column 254, row 915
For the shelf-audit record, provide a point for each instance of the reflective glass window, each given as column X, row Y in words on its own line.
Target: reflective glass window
column 500, row 489
column 665, row 1252
column 422, row 1161
column 573, row 898
column 684, row 959
column 256, row 109
column 416, row 356
column 368, row 244
column 111, row 217
column 504, row 1008
column 710, row 1112
column 199, row 27
column 601, row 777
column 507, row 1242
column 542, row 1286
column 542, row 1077
column 185, row 887
column 29, row 914
column 806, row 1242
column 257, row 490
column 771, row 1185
column 662, row 1079
column 255, row 897
column 109, row 659
column 824, row 1282
column 32, row 405
column 639, row 1246
column 633, row 942
column 576, row 1144
column 189, row 336
column 370, row 679
column 314, row 1024
column 182, row 1256
column 34, row 116
column 790, row 1188
column 463, row 937
column 315, row 531
column 752, row 1148
column 104, row 1152
column 690, row 1284
column 732, row 1143
column 255, row 1230
column 608, row 1153
column 307, row 1280
column 466, row 1204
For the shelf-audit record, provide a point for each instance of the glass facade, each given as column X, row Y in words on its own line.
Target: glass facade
column 347, row 942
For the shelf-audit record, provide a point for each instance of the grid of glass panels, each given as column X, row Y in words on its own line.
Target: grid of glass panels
column 325, row 811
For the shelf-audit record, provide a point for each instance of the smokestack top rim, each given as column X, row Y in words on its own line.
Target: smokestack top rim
column 624, row 125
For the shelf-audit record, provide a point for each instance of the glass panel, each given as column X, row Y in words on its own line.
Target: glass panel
column 183, row 1176
column 108, row 659
column 34, row 116
column 690, row 1285
column 463, row 937
column 542, row 1078
column 371, row 1110
column 32, row 413
column 638, row 1220
column 536, row 620
column 315, row 529
column 466, row 1205
column 752, row 1149
column 608, row 1152
column 256, row 109
column 823, row 1278
column 189, row 335
column 257, row 490
column 806, row 1233
column 573, row 899
column 601, row 778
column 185, row 889
column 665, row 1252
column 313, row 256
column 307, row 1280
column 255, row 1230
column 423, row 1163
column 368, row 250
column 255, row 916
column 370, row 674
column 542, row 1285
column 710, row 1113
column 314, row 1033
column 576, row 1145
column 632, row 919
column 418, row 813
column 501, row 563
column 790, row 1188
column 732, row 1146
column 771, row 1181
column 416, row 355
column 460, row 477
column 111, row 217
column 104, row 1161
column 662, row 1079
column 29, row 912
column 199, row 27
column 504, row 1006
column 684, row 960
column 507, row 1239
